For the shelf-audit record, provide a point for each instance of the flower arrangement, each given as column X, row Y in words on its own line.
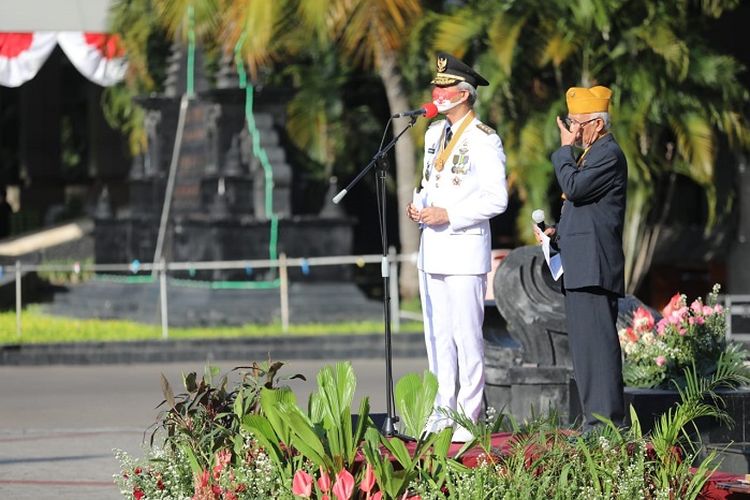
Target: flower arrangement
column 278, row 451
column 658, row 350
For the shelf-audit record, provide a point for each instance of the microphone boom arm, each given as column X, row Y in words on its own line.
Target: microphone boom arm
column 378, row 156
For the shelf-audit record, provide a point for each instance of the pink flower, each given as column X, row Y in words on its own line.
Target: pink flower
column 302, row 484
column 229, row 495
column 682, row 331
column 368, row 480
column 642, row 320
column 377, row 496
column 324, row 482
column 699, row 320
column 661, row 326
column 697, row 306
column 718, row 309
column 708, row 310
column 660, row 361
column 344, row 485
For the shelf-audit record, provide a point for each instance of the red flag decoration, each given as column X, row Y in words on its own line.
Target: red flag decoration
column 99, row 57
column 22, row 54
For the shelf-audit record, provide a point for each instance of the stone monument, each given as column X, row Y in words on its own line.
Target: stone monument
column 536, row 373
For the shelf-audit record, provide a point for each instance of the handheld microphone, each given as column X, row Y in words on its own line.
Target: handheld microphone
column 428, row 109
column 538, row 217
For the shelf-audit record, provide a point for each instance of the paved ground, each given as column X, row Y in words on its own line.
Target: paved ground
column 59, row 424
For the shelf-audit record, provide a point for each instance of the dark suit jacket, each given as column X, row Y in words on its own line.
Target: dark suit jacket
column 593, row 214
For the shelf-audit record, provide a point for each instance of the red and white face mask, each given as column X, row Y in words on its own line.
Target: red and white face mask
column 446, row 98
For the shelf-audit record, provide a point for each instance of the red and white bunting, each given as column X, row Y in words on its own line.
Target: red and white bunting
column 22, row 54
column 99, row 57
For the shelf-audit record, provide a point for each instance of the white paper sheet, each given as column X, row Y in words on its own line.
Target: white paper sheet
column 554, row 263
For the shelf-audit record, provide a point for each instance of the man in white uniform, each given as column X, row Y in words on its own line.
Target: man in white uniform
column 463, row 187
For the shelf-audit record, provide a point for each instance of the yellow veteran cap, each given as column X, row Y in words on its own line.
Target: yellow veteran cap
column 582, row 101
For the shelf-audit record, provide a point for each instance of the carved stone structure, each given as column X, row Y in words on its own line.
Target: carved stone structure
column 536, row 372
column 219, row 209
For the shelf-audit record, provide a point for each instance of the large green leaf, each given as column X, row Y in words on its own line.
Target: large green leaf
column 270, row 399
column 415, row 399
column 263, row 431
column 304, row 438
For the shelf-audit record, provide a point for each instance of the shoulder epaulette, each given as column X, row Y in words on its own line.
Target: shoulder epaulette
column 485, row 128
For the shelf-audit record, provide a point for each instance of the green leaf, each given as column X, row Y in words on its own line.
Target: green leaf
column 304, row 437
column 263, row 431
column 415, row 400
column 270, row 399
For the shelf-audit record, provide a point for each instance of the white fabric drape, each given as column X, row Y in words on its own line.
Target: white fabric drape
column 97, row 56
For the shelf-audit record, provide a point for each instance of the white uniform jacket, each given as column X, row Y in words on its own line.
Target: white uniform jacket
column 472, row 188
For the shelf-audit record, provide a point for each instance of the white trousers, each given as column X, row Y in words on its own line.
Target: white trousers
column 453, row 311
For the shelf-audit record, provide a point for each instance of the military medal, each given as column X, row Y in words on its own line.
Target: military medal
column 445, row 151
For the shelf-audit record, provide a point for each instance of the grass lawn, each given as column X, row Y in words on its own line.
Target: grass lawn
column 42, row 328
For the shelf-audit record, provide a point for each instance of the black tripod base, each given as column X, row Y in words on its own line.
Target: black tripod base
column 388, row 429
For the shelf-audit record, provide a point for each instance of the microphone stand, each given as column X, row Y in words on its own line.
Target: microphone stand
column 381, row 161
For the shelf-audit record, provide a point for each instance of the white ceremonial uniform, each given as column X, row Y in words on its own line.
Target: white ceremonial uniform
column 454, row 258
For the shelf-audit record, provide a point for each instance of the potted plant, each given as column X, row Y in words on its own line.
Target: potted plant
column 658, row 349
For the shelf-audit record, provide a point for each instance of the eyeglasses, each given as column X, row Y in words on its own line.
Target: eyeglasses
column 570, row 121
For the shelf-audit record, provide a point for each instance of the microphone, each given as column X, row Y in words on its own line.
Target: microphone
column 428, row 109
column 538, row 217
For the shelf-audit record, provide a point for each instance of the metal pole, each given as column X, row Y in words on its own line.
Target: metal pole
column 170, row 181
column 284, row 292
column 163, row 299
column 18, row 299
column 393, row 283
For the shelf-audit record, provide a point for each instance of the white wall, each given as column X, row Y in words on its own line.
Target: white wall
column 54, row 15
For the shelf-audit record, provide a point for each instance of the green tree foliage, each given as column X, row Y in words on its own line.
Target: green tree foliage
column 676, row 99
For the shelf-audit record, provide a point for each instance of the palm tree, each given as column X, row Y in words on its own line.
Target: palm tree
column 675, row 98
column 369, row 33
column 372, row 33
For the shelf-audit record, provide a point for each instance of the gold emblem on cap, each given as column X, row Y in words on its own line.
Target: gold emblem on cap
column 442, row 63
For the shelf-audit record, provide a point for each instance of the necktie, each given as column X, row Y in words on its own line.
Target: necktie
column 448, row 136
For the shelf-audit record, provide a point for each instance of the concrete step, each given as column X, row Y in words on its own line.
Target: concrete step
column 734, row 457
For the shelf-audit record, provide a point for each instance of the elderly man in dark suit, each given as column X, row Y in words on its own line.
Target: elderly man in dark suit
column 589, row 237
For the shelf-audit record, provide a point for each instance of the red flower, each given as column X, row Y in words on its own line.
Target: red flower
column 223, row 457
column 368, row 480
column 302, row 484
column 138, row 494
column 137, row 471
column 377, row 496
column 344, row 485
column 631, row 334
column 201, row 481
column 324, row 482
column 159, row 485
column 675, row 303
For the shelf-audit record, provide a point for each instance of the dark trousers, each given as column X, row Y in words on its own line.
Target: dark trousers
column 591, row 317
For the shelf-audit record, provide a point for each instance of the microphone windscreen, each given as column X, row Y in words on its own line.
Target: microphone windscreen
column 430, row 110
column 538, row 215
